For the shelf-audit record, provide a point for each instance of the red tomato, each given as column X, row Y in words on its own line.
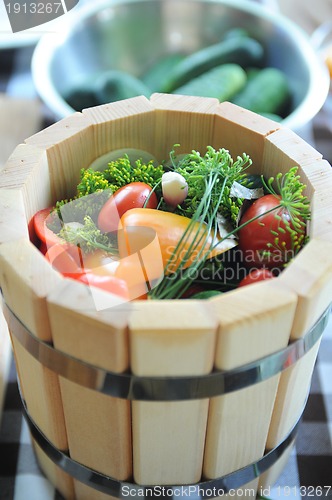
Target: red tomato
column 44, row 234
column 108, row 283
column 133, row 195
column 62, row 259
column 270, row 229
column 256, row 275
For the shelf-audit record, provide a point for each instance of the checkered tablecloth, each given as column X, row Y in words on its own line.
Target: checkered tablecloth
column 310, row 464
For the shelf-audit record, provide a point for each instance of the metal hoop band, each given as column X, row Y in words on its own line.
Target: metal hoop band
column 132, row 387
column 120, row 489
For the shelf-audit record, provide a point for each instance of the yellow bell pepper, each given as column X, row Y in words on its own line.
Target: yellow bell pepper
column 140, row 226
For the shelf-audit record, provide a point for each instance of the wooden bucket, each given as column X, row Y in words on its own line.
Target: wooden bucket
column 199, row 395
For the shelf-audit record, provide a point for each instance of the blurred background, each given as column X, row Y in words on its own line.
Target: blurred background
column 48, row 71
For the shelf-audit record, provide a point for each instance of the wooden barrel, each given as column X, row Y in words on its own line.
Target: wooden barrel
column 192, row 394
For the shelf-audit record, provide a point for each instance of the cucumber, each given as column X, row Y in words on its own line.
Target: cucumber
column 117, row 85
column 81, row 98
column 235, row 32
column 205, row 294
column 252, row 181
column 266, row 92
column 243, row 50
column 221, row 82
column 103, row 87
column 82, row 94
column 252, row 72
column 272, row 116
column 155, row 76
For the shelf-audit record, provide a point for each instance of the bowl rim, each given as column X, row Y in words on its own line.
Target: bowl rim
column 319, row 80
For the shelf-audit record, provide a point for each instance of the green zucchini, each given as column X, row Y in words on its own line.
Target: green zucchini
column 266, row 92
column 221, row 82
column 155, row 76
column 117, row 85
column 242, row 50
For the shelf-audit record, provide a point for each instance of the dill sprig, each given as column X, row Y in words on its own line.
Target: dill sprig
column 117, row 174
column 87, row 237
column 92, row 181
column 102, row 184
column 75, row 209
column 288, row 187
column 195, row 169
column 296, row 205
column 202, row 225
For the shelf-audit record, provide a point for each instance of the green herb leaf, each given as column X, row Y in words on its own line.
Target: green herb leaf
column 87, row 236
column 196, row 168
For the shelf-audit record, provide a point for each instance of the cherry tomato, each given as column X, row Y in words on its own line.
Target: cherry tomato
column 270, row 229
column 44, row 234
column 133, row 195
column 256, row 275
